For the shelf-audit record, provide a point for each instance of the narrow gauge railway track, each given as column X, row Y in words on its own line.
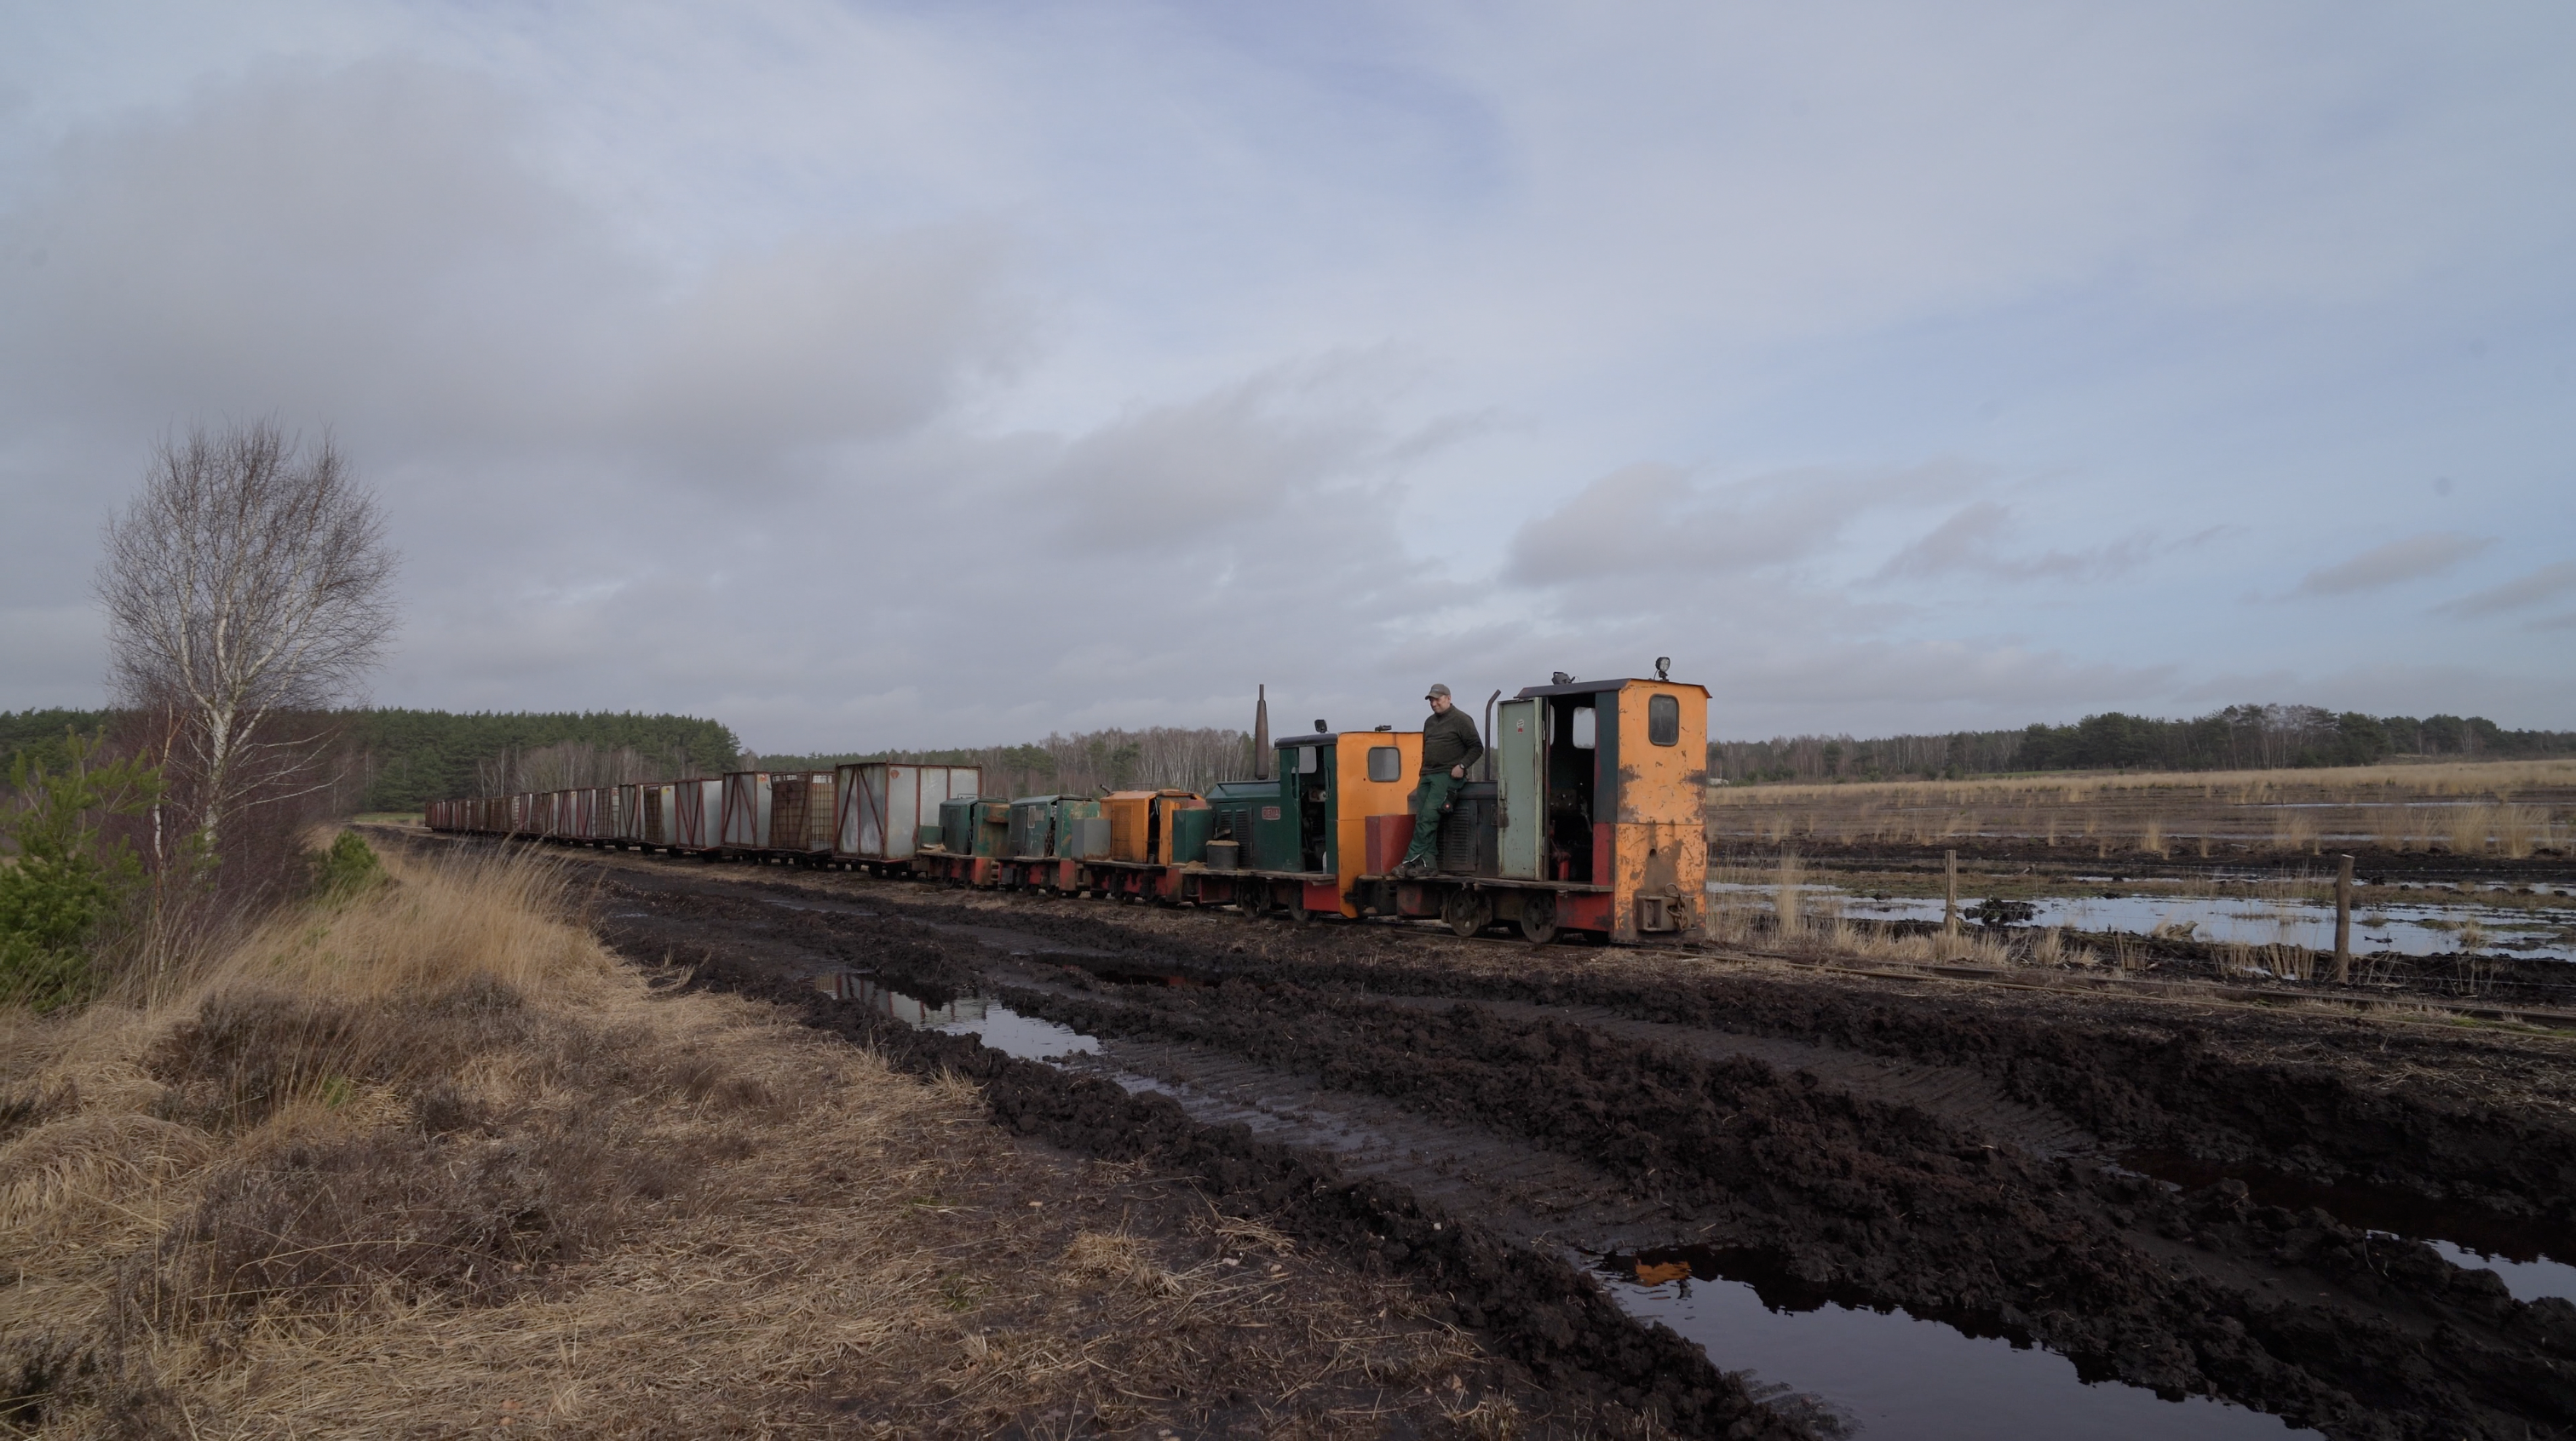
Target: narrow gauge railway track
column 2391, row 1005
column 1937, row 1206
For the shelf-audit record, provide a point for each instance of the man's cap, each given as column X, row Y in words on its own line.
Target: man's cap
column 1436, row 689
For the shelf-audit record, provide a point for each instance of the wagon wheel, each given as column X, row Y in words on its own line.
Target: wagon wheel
column 1538, row 917
column 1467, row 912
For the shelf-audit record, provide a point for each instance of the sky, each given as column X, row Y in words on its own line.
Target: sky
column 873, row 376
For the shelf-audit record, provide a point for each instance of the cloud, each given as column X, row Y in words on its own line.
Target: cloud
column 382, row 245
column 895, row 375
column 55, row 655
column 1653, row 520
column 2540, row 585
column 2413, row 558
column 1304, row 442
column 1971, row 542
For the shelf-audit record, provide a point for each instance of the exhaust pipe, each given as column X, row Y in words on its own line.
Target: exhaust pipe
column 1485, row 766
column 1261, row 734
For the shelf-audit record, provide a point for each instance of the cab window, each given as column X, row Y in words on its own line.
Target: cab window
column 1385, row 763
column 1664, row 720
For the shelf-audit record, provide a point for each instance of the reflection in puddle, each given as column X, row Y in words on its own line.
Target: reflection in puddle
column 997, row 1025
column 2380, row 922
column 1815, row 1353
column 2534, row 1258
column 1026, row 1037
column 2528, row 1280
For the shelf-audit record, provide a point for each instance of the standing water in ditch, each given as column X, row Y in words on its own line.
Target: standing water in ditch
column 2385, row 918
column 996, row 1025
column 1857, row 1371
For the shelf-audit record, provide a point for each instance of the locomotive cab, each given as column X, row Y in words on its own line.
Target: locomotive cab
column 1592, row 820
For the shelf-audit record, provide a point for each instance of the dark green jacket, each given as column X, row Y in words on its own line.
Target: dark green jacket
column 1449, row 740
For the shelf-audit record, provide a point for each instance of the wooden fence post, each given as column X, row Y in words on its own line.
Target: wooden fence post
column 1949, row 893
column 2343, row 920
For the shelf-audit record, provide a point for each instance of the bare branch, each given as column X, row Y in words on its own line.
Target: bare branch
column 248, row 582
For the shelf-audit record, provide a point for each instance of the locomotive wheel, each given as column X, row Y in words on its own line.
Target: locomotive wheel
column 1467, row 912
column 1298, row 915
column 1254, row 899
column 1538, row 918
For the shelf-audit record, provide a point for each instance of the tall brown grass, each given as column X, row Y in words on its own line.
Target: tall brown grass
column 1787, row 909
column 2518, row 828
column 2294, row 830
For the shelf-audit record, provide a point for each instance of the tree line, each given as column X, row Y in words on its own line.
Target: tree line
column 1083, row 763
column 406, row 757
column 2238, row 737
column 392, row 759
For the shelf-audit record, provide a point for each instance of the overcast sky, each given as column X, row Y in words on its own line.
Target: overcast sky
column 881, row 375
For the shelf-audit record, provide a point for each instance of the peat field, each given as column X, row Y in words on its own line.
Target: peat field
column 1743, row 1198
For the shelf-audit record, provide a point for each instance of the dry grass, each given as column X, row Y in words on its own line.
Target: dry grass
column 1789, row 918
column 2352, row 783
column 431, row 1162
column 2515, row 807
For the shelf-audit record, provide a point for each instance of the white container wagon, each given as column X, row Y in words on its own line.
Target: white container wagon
column 882, row 806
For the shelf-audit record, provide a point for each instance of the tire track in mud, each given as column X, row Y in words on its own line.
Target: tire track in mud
column 1530, row 1305
column 1918, row 1211
column 1527, row 1195
column 2451, row 1114
column 1952, row 1092
column 1938, row 1212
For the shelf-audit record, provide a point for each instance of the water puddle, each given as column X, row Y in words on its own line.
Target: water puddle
column 1029, row 1038
column 2380, row 922
column 2533, row 1258
column 2528, row 1280
column 1864, row 1371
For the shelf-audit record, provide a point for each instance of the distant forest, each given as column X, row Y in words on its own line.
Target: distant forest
column 2240, row 737
column 396, row 759
column 1078, row 764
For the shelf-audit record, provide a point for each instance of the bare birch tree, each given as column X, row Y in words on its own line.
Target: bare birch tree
column 247, row 588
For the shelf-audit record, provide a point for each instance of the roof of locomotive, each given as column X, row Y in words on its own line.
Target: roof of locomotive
column 1325, row 738
column 1595, row 687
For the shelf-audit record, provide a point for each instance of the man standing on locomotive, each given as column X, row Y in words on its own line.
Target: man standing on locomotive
column 1449, row 747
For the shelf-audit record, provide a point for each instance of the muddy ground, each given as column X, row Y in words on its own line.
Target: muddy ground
column 1478, row 1117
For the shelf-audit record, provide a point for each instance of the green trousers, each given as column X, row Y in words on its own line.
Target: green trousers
column 1428, row 797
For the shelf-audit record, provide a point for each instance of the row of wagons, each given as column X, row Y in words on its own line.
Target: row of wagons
column 1585, row 816
column 867, row 813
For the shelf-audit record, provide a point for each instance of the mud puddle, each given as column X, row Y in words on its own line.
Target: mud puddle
column 1851, row 1369
column 1029, row 1038
column 2379, row 924
column 2533, row 1258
